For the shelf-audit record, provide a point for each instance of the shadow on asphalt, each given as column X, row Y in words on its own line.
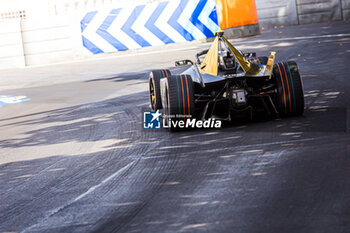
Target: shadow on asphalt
column 172, row 157
column 245, row 169
column 73, row 123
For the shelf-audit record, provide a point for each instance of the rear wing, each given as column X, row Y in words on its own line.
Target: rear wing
column 210, row 62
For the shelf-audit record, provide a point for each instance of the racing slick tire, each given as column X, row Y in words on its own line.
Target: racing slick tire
column 290, row 94
column 179, row 99
column 154, row 87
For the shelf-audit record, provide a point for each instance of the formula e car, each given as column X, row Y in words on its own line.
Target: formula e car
column 227, row 83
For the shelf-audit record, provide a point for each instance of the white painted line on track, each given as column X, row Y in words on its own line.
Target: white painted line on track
column 103, row 182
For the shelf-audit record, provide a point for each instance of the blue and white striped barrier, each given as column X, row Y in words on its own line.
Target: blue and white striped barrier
column 148, row 25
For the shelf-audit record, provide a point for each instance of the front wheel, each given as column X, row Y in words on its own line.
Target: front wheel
column 290, row 94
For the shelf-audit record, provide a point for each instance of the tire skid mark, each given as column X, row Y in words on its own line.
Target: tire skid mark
column 90, row 190
column 20, row 206
column 155, row 185
column 134, row 151
column 74, row 177
column 148, row 176
column 240, row 147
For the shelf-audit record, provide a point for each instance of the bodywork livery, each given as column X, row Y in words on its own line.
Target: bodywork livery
column 228, row 83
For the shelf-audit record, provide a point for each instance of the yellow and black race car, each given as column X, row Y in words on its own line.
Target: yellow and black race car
column 227, row 83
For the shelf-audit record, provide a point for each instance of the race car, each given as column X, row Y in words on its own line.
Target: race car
column 227, row 83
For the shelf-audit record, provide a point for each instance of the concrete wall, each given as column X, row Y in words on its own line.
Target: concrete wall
column 50, row 31
column 74, row 7
column 51, row 41
column 314, row 11
column 32, row 8
column 54, row 39
column 290, row 12
column 32, row 42
column 11, row 47
column 346, row 9
column 276, row 12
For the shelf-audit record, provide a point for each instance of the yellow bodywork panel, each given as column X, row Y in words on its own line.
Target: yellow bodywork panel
column 211, row 60
column 245, row 64
column 270, row 63
column 251, row 69
column 210, row 63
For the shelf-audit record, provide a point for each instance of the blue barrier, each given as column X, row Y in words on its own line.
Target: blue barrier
column 148, row 25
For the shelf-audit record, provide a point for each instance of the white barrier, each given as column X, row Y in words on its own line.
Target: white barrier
column 11, row 45
column 133, row 27
column 51, row 41
column 56, row 39
column 33, row 42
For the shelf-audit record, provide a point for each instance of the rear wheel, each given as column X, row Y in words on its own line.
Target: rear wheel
column 290, row 94
column 180, row 99
column 154, row 87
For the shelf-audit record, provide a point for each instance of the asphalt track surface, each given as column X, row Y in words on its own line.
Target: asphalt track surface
column 76, row 159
